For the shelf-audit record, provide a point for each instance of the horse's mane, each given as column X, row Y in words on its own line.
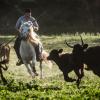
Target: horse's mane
column 28, row 33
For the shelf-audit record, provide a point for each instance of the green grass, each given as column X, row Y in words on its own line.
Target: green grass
column 52, row 87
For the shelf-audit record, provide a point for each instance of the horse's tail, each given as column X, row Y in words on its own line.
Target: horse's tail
column 48, row 62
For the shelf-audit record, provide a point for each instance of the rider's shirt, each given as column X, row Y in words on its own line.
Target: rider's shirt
column 22, row 20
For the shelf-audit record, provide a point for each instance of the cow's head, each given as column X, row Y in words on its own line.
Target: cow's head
column 54, row 54
column 78, row 48
column 78, row 51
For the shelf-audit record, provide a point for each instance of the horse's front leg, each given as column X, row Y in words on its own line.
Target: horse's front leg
column 29, row 69
column 33, row 68
column 41, row 74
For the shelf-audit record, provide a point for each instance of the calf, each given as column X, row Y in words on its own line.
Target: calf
column 82, row 54
column 4, row 57
column 5, row 52
column 66, row 64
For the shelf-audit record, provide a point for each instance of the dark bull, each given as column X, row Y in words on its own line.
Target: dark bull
column 66, row 64
column 82, row 54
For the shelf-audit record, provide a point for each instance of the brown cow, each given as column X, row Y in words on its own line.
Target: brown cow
column 66, row 64
column 4, row 57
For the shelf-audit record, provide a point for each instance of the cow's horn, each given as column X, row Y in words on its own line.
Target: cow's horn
column 82, row 40
column 68, row 44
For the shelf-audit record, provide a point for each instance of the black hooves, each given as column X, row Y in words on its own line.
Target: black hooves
column 70, row 80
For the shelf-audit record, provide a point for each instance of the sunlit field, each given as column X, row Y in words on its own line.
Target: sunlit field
column 21, row 86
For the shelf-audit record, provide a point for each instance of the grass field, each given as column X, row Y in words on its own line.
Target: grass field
column 52, row 87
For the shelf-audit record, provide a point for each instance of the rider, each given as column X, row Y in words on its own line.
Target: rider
column 26, row 17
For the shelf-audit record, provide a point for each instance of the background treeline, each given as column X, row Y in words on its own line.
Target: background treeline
column 53, row 16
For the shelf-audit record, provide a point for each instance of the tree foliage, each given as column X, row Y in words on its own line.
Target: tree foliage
column 61, row 15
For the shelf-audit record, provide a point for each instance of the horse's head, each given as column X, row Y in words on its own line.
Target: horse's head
column 26, row 28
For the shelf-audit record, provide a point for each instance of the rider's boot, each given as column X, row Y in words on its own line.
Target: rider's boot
column 19, row 62
column 16, row 47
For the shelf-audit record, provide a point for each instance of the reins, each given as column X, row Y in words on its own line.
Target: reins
column 7, row 42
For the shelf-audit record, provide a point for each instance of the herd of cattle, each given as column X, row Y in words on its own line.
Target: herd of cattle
column 81, row 54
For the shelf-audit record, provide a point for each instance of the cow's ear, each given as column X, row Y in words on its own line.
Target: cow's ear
column 85, row 46
column 60, row 50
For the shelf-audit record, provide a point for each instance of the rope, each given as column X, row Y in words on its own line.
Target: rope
column 8, row 41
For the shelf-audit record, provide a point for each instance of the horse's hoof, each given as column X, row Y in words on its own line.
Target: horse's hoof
column 36, row 74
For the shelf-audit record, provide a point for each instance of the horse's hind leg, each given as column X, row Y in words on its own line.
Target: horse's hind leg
column 2, row 77
column 41, row 74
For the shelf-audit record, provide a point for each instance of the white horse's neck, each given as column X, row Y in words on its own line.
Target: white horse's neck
column 27, row 50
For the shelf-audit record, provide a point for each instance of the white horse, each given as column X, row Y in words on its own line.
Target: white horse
column 27, row 49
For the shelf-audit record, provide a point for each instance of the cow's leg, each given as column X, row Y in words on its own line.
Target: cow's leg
column 2, row 77
column 79, row 72
column 5, row 68
column 8, row 54
column 67, row 78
